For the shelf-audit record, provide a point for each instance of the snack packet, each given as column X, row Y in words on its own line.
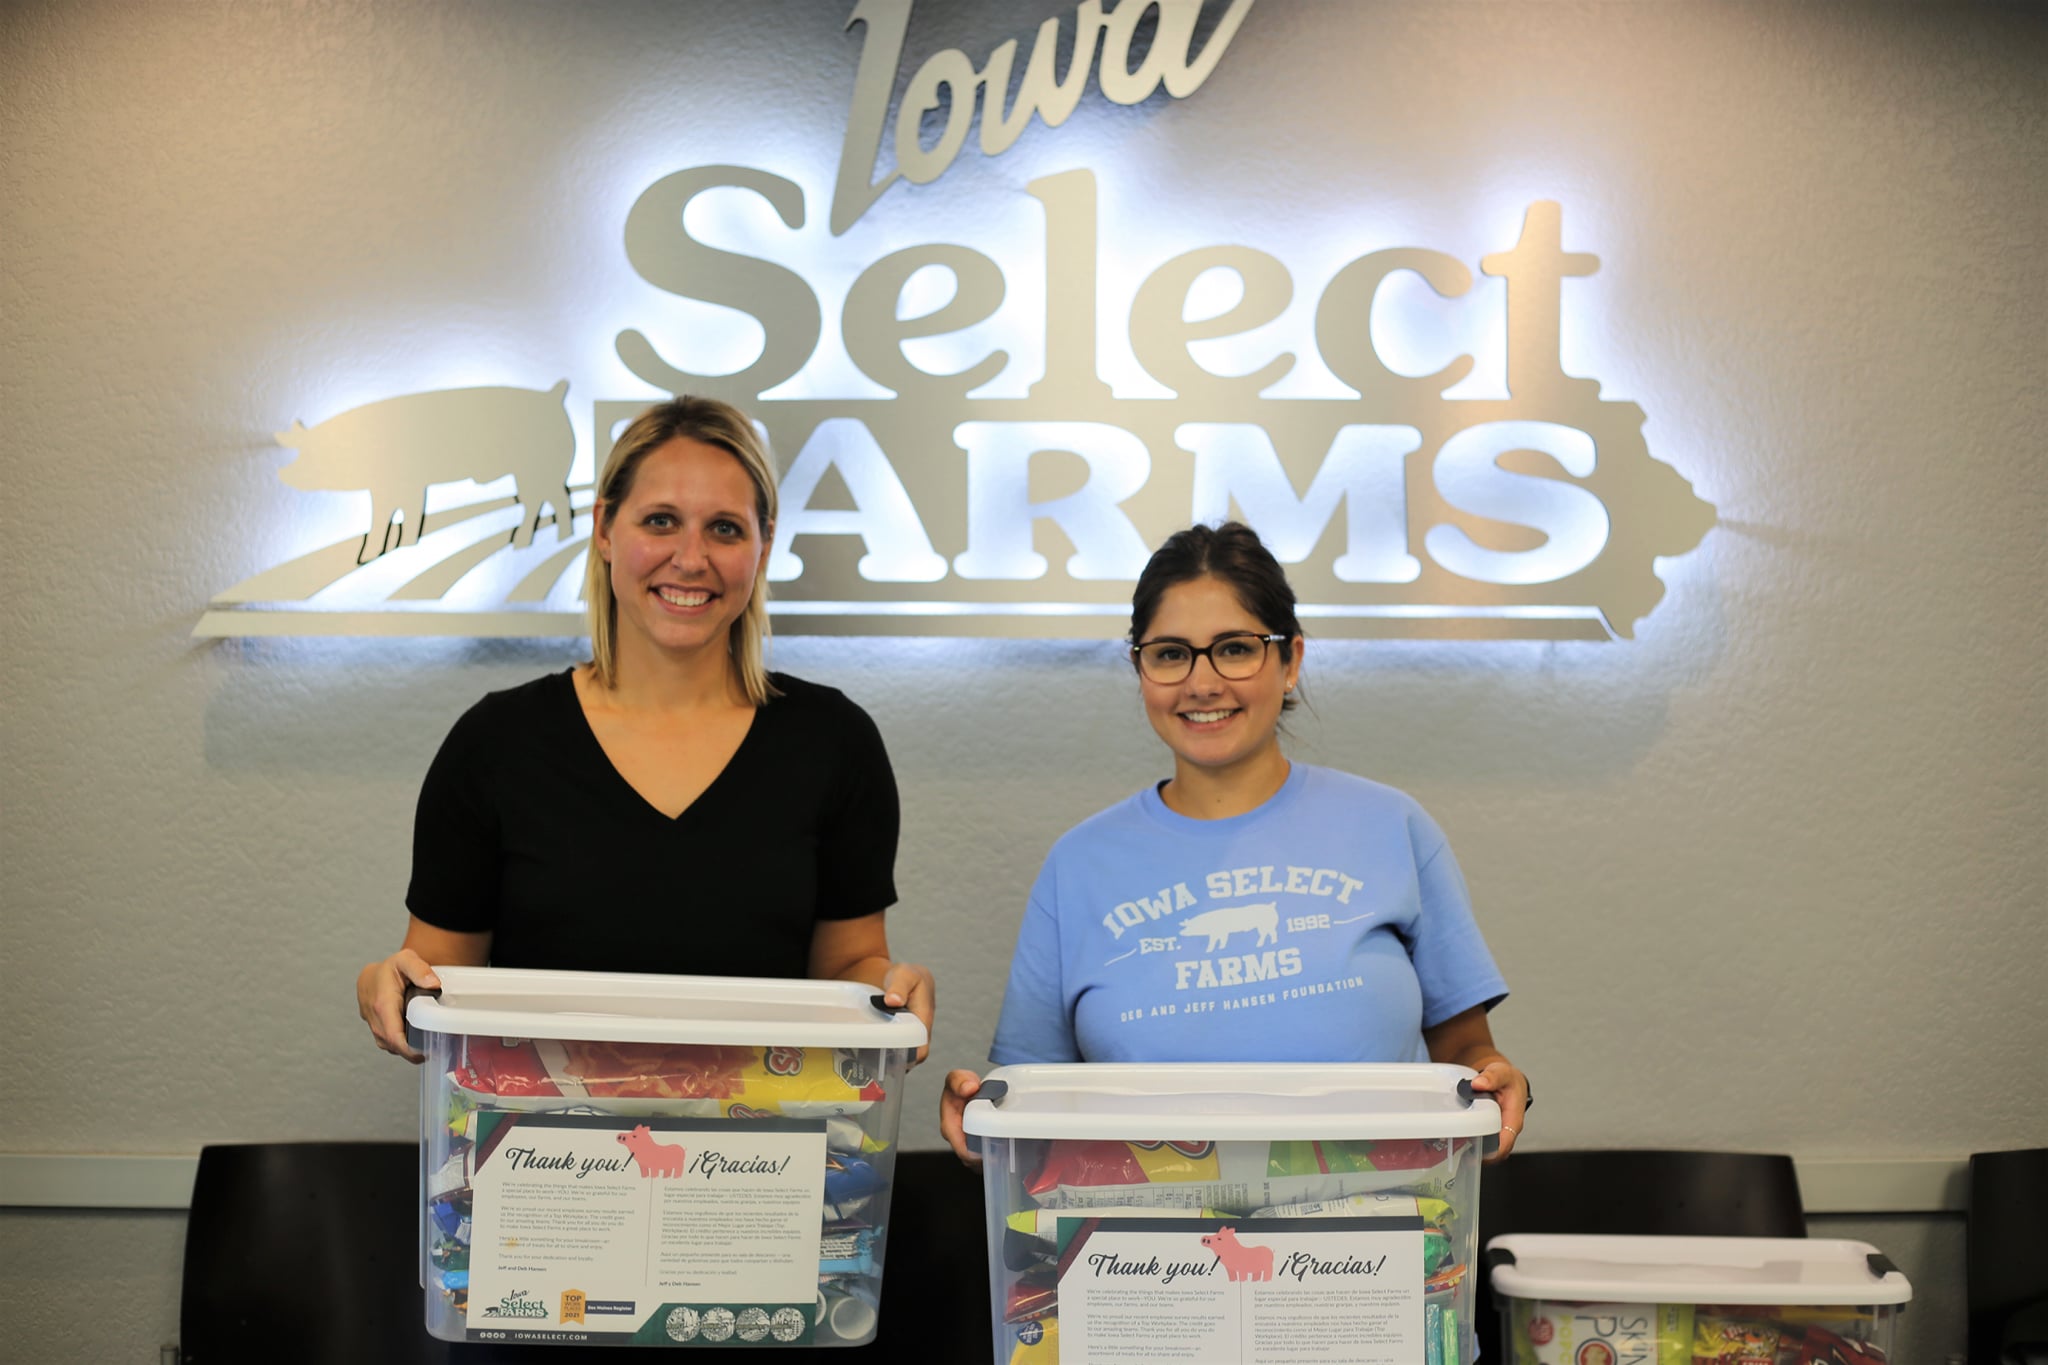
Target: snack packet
column 1575, row 1333
column 1744, row 1340
column 1378, row 1204
column 1035, row 1294
column 850, row 1183
column 1436, row 1216
column 1443, row 1278
column 1235, row 1176
column 851, row 1252
column 1361, row 1154
column 1038, row 1342
column 680, row 1079
column 1819, row 1346
column 1440, row 1344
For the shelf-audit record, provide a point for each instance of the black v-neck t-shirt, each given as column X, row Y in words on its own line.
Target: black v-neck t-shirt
column 526, row 830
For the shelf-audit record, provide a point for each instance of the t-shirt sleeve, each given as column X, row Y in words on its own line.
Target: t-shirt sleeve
column 1036, row 1024
column 1450, row 955
column 456, row 848
column 858, row 831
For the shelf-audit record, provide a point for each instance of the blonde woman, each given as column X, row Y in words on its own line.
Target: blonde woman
column 670, row 806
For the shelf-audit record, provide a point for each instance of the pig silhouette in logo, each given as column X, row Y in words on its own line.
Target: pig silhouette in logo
column 397, row 447
column 665, row 1158
column 1219, row 925
column 1240, row 1262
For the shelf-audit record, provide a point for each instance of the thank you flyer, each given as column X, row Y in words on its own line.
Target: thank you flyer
column 1234, row 1291
column 681, row 1231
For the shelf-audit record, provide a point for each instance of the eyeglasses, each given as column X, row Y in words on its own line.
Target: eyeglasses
column 1234, row 657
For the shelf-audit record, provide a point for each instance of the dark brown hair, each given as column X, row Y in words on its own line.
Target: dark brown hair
column 1233, row 554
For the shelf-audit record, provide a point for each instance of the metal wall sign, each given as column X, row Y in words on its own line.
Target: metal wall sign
column 939, row 509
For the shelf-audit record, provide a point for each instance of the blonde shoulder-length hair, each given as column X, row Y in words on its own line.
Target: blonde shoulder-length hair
column 715, row 424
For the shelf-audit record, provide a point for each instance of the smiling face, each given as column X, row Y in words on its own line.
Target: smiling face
column 685, row 546
column 1214, row 724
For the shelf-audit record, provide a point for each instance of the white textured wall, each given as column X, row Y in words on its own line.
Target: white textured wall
column 1769, row 876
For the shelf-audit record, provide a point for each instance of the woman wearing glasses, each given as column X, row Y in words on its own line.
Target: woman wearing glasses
column 1247, row 908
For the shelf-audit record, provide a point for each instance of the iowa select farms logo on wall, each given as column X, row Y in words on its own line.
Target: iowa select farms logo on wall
column 937, row 508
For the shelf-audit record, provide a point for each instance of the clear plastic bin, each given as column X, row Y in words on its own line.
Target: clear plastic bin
column 656, row 1160
column 1682, row 1300
column 1232, row 1212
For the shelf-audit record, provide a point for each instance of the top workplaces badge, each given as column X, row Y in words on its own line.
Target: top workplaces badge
column 936, row 509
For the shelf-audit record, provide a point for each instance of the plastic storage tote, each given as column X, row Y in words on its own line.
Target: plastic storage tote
column 656, row 1160
column 1232, row 1212
column 1695, row 1300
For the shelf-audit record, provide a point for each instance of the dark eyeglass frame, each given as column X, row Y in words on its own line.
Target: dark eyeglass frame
column 1208, row 651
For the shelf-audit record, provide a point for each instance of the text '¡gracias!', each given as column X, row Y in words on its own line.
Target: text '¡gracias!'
column 709, row 1165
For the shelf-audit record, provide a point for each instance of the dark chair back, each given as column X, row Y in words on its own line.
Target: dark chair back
column 935, row 1303
column 305, row 1251
column 1643, row 1193
column 2007, row 1257
column 1633, row 1193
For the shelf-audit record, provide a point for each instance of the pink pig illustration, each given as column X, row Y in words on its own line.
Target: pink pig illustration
column 1240, row 1262
column 666, row 1158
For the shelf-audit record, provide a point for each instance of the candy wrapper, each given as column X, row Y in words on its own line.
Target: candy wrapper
column 450, row 1176
column 450, row 1214
column 450, row 1253
column 850, row 1183
column 1819, row 1346
column 1745, row 1340
column 1434, row 1213
column 1572, row 1333
column 1380, row 1204
column 1034, row 1294
column 1444, row 1278
column 1235, row 1176
column 1440, row 1345
column 1038, row 1342
column 684, row 1080
column 847, row 1253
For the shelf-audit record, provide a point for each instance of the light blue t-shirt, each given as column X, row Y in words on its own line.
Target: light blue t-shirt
column 1329, row 925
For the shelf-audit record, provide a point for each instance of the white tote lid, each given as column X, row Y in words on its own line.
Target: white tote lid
column 1786, row 1270
column 626, row 1007
column 1225, row 1101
